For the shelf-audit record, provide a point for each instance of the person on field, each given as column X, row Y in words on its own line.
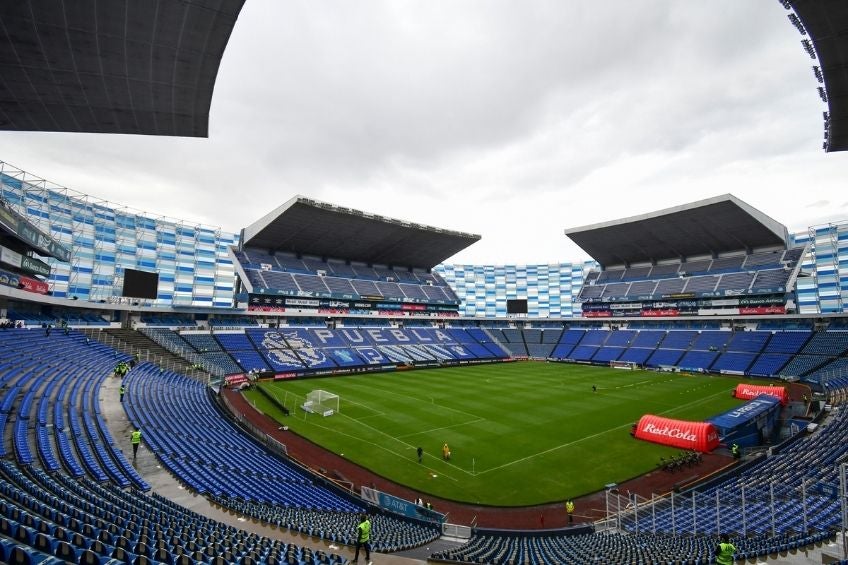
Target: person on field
column 363, row 538
column 420, row 453
column 446, row 452
column 569, row 508
column 724, row 551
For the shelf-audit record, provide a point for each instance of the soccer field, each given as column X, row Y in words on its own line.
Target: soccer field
column 520, row 433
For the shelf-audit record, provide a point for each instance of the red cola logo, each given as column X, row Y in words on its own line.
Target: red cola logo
column 670, row 432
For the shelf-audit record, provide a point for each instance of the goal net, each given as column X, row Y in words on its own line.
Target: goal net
column 623, row 365
column 321, row 402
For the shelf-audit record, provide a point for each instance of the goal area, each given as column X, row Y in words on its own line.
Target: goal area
column 321, row 402
column 623, row 365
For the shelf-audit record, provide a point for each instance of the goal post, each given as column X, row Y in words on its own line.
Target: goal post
column 629, row 365
column 321, row 402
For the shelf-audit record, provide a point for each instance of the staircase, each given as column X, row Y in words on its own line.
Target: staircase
column 136, row 343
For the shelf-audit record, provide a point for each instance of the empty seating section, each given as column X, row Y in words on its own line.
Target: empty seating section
column 760, row 260
column 711, row 341
column 201, row 342
column 391, row 533
column 734, row 361
column 642, row 288
column 697, row 360
column 620, row 338
column 769, row 364
column 276, row 280
column 207, row 452
column 723, row 264
column 678, row 339
column 702, row 284
column 312, row 284
column 827, row 343
column 735, row 281
column 802, row 364
column 636, row 273
column 54, row 519
column 771, row 280
column 61, row 407
column 835, row 368
column 751, row 342
column 615, row 290
column 289, row 274
column 594, row 337
column 787, row 342
column 758, row 273
column 588, row 549
column 670, row 286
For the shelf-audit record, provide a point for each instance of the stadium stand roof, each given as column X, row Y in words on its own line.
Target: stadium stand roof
column 120, row 66
column 707, row 227
column 826, row 24
column 311, row 227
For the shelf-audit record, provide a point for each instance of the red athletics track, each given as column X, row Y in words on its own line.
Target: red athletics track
column 587, row 508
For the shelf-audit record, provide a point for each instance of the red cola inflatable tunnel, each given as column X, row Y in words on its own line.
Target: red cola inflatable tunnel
column 700, row 436
column 747, row 392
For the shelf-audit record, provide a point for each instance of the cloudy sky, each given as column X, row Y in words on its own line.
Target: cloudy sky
column 513, row 120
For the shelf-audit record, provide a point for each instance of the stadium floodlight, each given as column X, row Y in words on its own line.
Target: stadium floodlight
column 808, row 47
column 321, row 402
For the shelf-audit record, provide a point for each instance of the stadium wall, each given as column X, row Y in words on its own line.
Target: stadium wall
column 550, row 290
column 192, row 260
column 826, row 289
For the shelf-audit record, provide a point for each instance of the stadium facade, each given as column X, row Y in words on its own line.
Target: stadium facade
column 551, row 290
column 192, row 260
column 196, row 268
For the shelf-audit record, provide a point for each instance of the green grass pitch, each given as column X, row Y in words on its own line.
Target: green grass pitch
column 520, row 433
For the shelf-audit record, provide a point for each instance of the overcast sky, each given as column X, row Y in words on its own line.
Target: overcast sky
column 513, row 120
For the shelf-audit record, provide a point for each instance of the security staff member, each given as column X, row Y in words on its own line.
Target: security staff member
column 135, row 438
column 122, row 391
column 569, row 507
column 724, row 551
column 363, row 538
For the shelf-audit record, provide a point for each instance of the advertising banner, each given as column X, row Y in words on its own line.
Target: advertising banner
column 34, row 285
column 748, row 392
column 34, row 266
column 10, row 257
column 700, row 436
column 39, row 240
column 761, row 310
column 9, row 279
column 400, row 506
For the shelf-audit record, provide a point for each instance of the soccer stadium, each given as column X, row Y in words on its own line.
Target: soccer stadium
column 178, row 393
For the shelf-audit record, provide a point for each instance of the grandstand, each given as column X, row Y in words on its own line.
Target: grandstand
column 312, row 255
column 718, row 256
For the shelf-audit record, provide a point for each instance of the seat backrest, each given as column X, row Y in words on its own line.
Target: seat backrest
column 88, row 557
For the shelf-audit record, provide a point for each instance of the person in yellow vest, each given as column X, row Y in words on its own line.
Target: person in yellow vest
column 122, row 391
column 135, row 438
column 363, row 538
column 569, row 508
column 724, row 551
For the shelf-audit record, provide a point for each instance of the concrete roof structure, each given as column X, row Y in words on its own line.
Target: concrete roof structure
column 825, row 23
column 712, row 226
column 311, row 227
column 117, row 66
